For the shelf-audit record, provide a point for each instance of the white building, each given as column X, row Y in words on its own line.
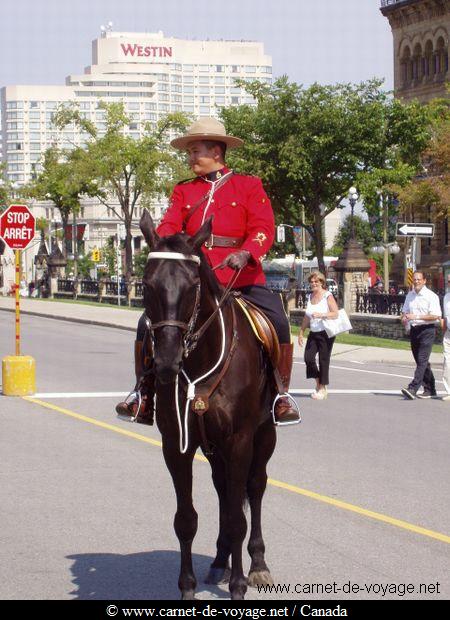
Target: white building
column 151, row 74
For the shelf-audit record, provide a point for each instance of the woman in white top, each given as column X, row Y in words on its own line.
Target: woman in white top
column 321, row 305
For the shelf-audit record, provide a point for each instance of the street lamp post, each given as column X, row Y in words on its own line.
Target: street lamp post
column 75, row 246
column 352, row 198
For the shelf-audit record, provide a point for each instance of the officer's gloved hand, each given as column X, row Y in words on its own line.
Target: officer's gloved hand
column 236, row 260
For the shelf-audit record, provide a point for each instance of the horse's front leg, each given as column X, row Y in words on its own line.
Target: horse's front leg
column 219, row 571
column 185, row 522
column 264, row 444
column 238, row 464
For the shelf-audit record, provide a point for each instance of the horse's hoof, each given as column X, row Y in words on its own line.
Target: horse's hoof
column 188, row 595
column 217, row 576
column 260, row 578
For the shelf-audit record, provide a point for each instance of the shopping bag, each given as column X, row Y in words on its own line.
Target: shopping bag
column 333, row 327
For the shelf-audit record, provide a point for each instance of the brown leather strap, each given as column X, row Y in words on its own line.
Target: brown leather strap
column 194, row 338
column 205, row 394
column 170, row 323
column 215, row 241
column 207, row 391
column 198, row 204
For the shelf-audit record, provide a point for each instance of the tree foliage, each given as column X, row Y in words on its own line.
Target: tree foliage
column 5, row 193
column 363, row 233
column 429, row 192
column 310, row 145
column 128, row 171
column 5, row 188
column 63, row 181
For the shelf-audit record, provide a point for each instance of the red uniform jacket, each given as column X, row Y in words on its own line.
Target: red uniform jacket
column 240, row 207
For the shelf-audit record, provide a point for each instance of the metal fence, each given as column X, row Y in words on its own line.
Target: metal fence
column 366, row 302
column 379, row 303
column 111, row 288
column 66, row 286
column 89, row 287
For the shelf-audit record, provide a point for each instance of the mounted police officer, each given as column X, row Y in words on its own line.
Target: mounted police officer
column 243, row 233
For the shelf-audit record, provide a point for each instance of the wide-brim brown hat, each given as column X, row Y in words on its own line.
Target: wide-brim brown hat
column 206, row 128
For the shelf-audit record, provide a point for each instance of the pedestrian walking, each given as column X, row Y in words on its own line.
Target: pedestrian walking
column 420, row 314
column 321, row 305
column 446, row 328
column 243, row 232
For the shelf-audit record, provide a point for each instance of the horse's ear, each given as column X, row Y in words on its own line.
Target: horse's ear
column 202, row 234
column 148, row 229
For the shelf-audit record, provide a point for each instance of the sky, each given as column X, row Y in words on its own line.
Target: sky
column 325, row 41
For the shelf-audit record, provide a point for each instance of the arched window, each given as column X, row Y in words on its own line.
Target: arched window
column 406, row 66
column 441, row 58
column 417, row 73
column 428, row 59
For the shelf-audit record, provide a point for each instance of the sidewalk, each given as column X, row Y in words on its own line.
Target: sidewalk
column 124, row 318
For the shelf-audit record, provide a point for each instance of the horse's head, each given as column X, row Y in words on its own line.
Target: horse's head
column 171, row 292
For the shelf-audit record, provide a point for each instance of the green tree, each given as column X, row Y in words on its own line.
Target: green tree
column 5, row 188
column 85, row 265
column 128, row 171
column 5, row 193
column 310, row 145
column 140, row 260
column 429, row 192
column 109, row 257
column 63, row 181
column 363, row 233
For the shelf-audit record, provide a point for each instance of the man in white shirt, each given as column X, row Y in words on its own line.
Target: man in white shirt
column 446, row 327
column 421, row 312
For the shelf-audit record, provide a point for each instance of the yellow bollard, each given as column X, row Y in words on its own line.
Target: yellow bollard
column 18, row 375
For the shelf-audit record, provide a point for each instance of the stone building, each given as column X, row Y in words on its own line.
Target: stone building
column 420, row 30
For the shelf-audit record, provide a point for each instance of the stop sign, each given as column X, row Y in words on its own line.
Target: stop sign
column 17, row 227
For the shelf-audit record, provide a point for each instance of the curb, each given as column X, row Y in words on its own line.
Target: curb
column 72, row 319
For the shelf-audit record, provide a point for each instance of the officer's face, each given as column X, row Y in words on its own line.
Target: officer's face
column 202, row 159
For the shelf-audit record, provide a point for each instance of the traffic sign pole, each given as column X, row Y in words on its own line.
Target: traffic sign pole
column 17, row 253
column 17, row 229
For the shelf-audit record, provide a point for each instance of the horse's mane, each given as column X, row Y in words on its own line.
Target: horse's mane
column 179, row 243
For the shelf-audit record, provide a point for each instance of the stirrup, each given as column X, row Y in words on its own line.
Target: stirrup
column 275, row 400
column 135, row 394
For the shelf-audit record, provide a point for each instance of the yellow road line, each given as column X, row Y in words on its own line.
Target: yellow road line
column 275, row 483
column 83, row 418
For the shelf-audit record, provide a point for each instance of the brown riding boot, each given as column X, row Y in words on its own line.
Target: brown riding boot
column 129, row 409
column 284, row 409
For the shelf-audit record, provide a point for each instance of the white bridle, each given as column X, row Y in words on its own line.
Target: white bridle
column 174, row 256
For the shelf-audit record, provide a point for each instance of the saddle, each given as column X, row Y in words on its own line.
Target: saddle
column 262, row 328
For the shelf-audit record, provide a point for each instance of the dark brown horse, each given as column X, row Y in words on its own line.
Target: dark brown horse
column 222, row 362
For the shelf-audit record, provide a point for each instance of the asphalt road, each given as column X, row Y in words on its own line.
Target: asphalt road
column 358, row 496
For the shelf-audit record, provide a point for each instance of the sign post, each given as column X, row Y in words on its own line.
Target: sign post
column 415, row 230
column 17, row 229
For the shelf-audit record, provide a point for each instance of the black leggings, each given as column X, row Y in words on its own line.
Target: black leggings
column 318, row 342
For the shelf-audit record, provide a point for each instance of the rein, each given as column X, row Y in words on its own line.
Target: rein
column 192, row 341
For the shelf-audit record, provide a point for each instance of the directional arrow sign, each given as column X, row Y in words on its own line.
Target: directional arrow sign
column 414, row 230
